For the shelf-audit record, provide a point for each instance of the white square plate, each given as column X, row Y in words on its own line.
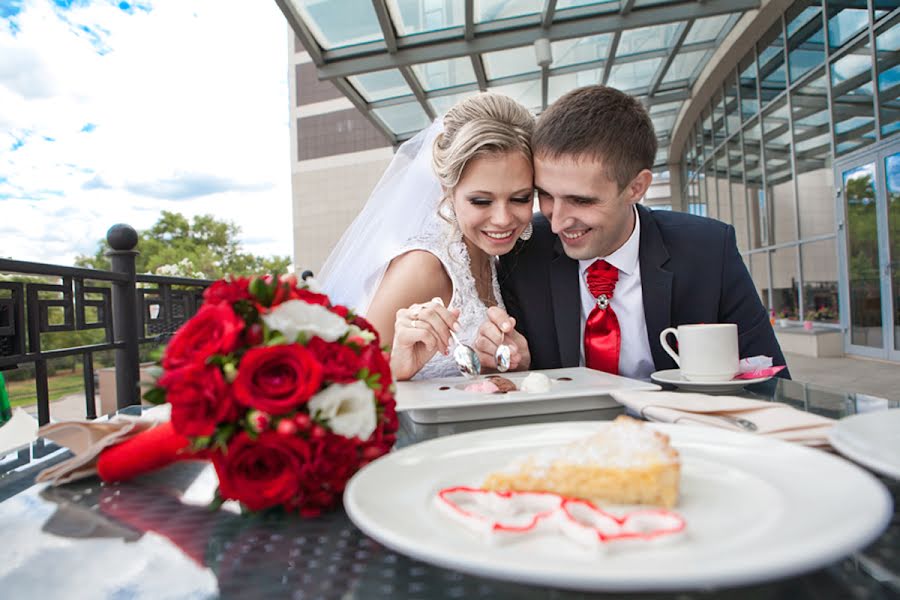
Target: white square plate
column 572, row 389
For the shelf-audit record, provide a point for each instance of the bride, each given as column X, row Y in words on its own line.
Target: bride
column 454, row 197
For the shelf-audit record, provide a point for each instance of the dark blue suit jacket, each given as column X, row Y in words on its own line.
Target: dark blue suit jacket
column 691, row 272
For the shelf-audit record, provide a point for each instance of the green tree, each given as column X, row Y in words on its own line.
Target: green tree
column 204, row 247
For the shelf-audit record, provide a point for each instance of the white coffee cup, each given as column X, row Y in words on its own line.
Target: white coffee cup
column 706, row 352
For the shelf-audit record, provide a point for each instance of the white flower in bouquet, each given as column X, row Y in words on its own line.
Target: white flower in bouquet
column 350, row 409
column 294, row 317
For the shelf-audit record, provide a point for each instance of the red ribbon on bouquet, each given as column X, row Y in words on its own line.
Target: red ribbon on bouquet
column 153, row 449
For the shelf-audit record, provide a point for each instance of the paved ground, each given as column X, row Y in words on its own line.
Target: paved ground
column 876, row 378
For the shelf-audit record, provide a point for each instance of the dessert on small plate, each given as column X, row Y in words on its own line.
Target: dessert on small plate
column 625, row 462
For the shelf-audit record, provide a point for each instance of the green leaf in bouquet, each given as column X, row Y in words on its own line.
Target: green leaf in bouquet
column 155, row 395
column 222, row 435
column 261, row 291
column 201, row 442
column 217, row 502
column 276, row 338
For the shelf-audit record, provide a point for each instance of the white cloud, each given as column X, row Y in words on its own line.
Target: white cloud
column 115, row 116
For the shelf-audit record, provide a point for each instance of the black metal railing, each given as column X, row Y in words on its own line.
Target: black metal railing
column 39, row 300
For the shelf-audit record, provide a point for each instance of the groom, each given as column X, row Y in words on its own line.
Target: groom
column 595, row 246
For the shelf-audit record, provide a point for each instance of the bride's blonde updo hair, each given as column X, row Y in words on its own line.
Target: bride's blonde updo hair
column 484, row 124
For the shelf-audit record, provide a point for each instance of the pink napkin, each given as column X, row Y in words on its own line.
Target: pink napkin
column 771, row 419
column 757, row 366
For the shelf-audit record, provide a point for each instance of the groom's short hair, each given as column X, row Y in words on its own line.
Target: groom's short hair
column 601, row 123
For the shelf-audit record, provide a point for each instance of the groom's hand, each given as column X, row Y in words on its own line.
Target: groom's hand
column 500, row 328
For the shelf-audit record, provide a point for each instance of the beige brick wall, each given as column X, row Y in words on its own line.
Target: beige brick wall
column 328, row 193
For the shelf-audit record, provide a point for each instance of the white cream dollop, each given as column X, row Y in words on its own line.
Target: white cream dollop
column 535, row 383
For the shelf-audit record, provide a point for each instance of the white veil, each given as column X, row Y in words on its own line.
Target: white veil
column 402, row 205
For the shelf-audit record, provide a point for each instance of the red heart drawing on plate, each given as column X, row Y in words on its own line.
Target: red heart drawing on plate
column 492, row 513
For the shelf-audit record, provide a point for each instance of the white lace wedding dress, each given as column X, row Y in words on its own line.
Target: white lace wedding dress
column 446, row 243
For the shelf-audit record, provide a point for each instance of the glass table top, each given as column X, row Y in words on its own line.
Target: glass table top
column 156, row 538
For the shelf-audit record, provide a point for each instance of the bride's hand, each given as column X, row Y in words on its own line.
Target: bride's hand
column 499, row 328
column 420, row 331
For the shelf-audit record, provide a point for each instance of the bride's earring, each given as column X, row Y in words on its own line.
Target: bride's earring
column 526, row 233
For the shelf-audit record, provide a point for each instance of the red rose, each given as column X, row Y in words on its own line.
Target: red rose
column 261, row 473
column 229, row 291
column 333, row 460
column 340, row 310
column 366, row 326
column 340, row 363
column 199, row 397
column 215, row 329
column 277, row 379
column 286, row 292
column 376, row 361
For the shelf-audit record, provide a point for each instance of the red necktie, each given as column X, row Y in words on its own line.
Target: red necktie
column 602, row 338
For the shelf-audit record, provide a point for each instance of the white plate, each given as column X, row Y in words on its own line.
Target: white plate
column 572, row 389
column 871, row 439
column 756, row 509
column 674, row 377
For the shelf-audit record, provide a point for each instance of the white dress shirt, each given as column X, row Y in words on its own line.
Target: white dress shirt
column 635, row 360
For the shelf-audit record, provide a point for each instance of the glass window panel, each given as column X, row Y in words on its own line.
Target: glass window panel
column 852, row 97
column 749, row 98
column 722, row 188
column 330, row 26
column 663, row 123
column 563, row 4
column 785, row 284
column 442, row 104
column 862, row 257
column 557, row 85
column 820, row 282
column 712, row 194
column 759, row 270
column 846, row 18
column 527, row 93
column 806, row 38
column 667, row 107
column 380, row 85
column 707, row 133
column 646, row 39
column 771, row 63
column 633, row 76
column 514, row 61
column 888, row 58
column 491, row 10
column 753, row 177
column 403, row 118
column 892, row 185
column 442, row 74
column 662, row 155
column 812, row 147
column 732, row 110
column 738, row 193
column 782, row 221
column 685, row 65
column 706, row 29
column 581, row 50
column 718, row 118
column 417, row 16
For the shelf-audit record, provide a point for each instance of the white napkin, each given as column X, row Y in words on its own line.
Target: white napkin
column 772, row 419
column 19, row 431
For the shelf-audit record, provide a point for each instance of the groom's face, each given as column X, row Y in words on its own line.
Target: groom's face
column 586, row 209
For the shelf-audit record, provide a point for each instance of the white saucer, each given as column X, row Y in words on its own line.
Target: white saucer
column 674, row 377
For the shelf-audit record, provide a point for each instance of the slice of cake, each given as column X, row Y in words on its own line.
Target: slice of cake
column 626, row 462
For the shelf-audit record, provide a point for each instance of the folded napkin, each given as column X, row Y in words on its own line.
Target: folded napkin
column 87, row 439
column 771, row 419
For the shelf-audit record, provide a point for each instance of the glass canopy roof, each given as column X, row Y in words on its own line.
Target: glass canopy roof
column 405, row 62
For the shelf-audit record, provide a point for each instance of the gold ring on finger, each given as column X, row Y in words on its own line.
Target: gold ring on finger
column 414, row 311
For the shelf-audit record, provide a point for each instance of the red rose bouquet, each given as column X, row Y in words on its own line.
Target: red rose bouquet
column 286, row 394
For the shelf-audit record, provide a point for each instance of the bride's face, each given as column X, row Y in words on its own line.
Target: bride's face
column 493, row 200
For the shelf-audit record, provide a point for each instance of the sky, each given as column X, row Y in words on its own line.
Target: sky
column 113, row 111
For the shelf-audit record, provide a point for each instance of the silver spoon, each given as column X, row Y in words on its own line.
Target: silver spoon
column 502, row 355
column 742, row 423
column 465, row 356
